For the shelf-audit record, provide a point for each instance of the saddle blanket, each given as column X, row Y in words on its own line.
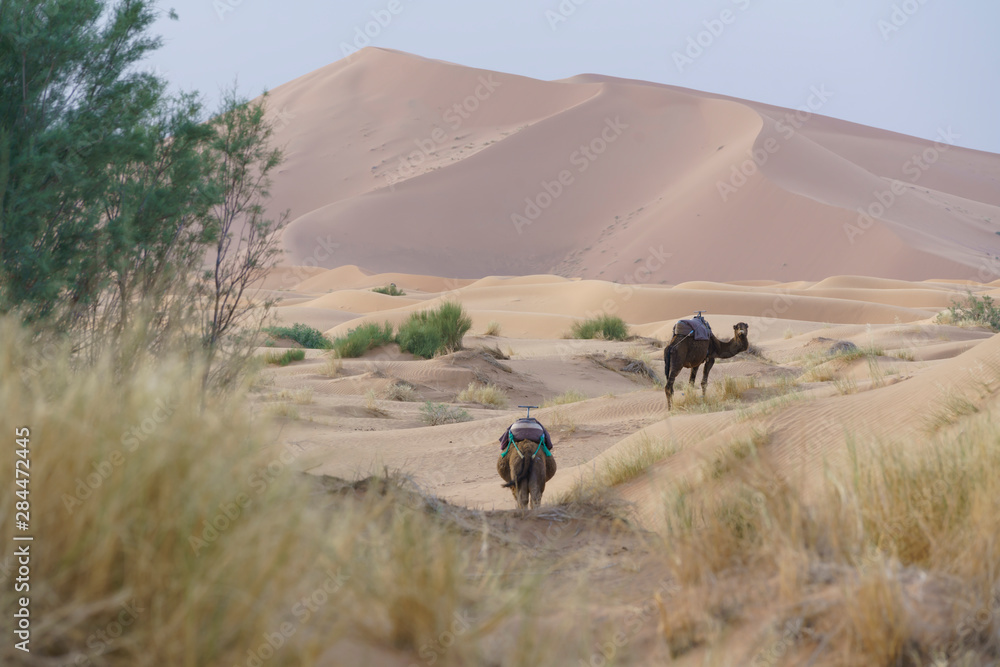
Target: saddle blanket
column 698, row 327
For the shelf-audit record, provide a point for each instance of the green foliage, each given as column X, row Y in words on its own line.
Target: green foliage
column 433, row 414
column 304, row 335
column 606, row 327
column 390, row 289
column 975, row 310
column 103, row 180
column 428, row 332
column 366, row 337
column 284, row 358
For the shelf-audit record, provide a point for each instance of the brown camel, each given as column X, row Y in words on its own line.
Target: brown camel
column 686, row 352
column 525, row 468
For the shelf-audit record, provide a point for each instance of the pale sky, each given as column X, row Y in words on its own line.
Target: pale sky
column 911, row 66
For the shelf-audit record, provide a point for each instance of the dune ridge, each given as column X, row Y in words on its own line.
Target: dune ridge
column 626, row 181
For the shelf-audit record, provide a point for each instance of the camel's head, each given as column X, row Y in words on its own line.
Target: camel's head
column 740, row 330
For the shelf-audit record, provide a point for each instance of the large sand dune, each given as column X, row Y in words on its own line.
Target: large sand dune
column 401, row 163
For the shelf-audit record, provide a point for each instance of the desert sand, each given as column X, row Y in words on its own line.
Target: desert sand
column 336, row 419
column 918, row 363
column 538, row 204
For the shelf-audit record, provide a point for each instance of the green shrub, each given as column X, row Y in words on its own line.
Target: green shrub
column 428, row 332
column 419, row 336
column 391, row 290
column 453, row 323
column 607, row 327
column 302, row 334
column 366, row 337
column 433, row 414
column 284, row 358
column 975, row 310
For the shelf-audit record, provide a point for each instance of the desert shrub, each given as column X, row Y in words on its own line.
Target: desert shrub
column 366, row 337
column 284, row 358
column 606, row 327
column 121, row 544
column 428, row 332
column 974, row 310
column 433, row 414
column 419, row 336
column 493, row 328
column 489, row 395
column 568, row 396
column 400, row 391
column 304, row 335
column 453, row 323
column 390, row 289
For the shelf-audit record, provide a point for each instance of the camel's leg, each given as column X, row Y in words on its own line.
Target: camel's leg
column 694, row 374
column 672, row 371
column 704, row 376
column 537, row 481
column 522, row 495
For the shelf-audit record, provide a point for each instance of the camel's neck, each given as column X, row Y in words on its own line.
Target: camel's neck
column 725, row 349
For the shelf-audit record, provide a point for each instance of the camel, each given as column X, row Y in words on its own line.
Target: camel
column 686, row 352
column 525, row 468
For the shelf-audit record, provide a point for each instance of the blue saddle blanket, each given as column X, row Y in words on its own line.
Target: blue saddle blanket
column 696, row 326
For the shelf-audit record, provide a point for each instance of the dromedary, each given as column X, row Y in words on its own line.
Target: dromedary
column 684, row 351
column 526, row 466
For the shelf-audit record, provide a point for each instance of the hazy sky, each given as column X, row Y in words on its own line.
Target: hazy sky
column 912, row 66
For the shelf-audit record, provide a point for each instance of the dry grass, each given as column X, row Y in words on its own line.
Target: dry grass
column 953, row 407
column 401, row 391
column 372, row 406
column 889, row 515
column 186, row 524
column 493, row 328
column 634, row 460
column 283, row 410
column 488, row 395
column 568, row 396
column 333, row 364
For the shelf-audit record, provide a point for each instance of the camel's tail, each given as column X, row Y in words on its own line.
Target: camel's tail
column 666, row 362
column 524, row 474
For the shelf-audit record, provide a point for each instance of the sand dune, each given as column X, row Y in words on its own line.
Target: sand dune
column 918, row 365
column 401, row 163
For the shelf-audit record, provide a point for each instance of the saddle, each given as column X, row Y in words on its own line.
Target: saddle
column 527, row 429
column 696, row 326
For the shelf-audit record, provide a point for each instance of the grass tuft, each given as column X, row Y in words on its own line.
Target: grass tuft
column 390, row 289
column 284, row 358
column 568, row 396
column 489, row 395
column 433, row 414
column 604, row 327
column 366, row 337
column 302, row 334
